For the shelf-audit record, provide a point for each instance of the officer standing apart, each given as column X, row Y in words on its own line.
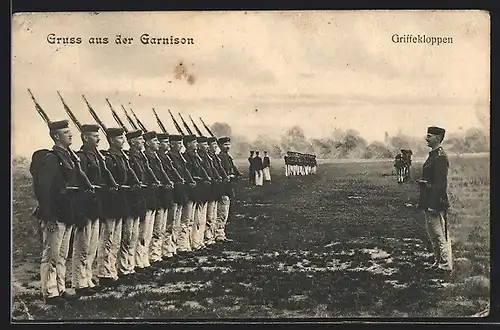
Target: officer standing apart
column 434, row 199
column 266, row 162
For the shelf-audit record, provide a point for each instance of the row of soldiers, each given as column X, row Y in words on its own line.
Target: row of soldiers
column 131, row 209
column 297, row 163
column 259, row 170
column 402, row 163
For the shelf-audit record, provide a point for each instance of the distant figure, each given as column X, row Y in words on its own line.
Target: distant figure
column 267, row 167
column 434, row 202
column 398, row 164
column 287, row 164
column 251, row 170
column 258, row 168
column 406, row 153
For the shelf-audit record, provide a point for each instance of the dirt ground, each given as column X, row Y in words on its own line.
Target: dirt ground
column 346, row 242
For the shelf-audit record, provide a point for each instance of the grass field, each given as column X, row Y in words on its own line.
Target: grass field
column 347, row 242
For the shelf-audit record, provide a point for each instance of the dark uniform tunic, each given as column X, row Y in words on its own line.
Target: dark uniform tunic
column 231, row 169
column 180, row 164
column 128, row 201
column 435, row 171
column 266, row 162
column 163, row 194
column 140, row 165
column 208, row 165
column 175, row 176
column 222, row 187
column 200, row 176
column 55, row 202
column 92, row 166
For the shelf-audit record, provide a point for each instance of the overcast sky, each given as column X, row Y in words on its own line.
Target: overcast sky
column 261, row 72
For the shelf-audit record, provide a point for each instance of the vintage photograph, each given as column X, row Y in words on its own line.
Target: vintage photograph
column 250, row 164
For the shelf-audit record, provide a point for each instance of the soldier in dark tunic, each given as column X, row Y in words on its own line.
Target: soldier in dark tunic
column 173, row 216
column 219, row 190
column 86, row 234
column 119, row 239
column 223, row 205
column 140, row 165
column 434, row 199
column 163, row 196
column 251, row 171
column 56, row 183
column 185, row 200
column 203, row 183
column 266, row 163
column 211, row 195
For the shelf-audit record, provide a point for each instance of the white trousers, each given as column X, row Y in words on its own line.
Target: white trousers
column 267, row 174
column 85, row 243
column 109, row 245
column 145, row 236
column 211, row 222
column 55, row 242
column 199, row 224
column 184, row 243
column 128, row 246
column 222, row 217
column 259, row 178
column 441, row 242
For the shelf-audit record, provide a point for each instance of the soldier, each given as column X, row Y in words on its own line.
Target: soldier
column 118, row 243
column 56, row 184
column 203, row 182
column 258, row 168
column 398, row 165
column 434, row 199
column 173, row 216
column 287, row 164
column 163, row 197
column 224, row 204
column 140, row 165
column 314, row 164
column 180, row 231
column 220, row 188
column 251, row 171
column 209, row 163
column 86, row 234
column 266, row 162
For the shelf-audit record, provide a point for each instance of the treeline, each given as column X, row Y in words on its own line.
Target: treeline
column 350, row 144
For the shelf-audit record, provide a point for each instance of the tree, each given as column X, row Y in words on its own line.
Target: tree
column 377, row 150
column 221, row 129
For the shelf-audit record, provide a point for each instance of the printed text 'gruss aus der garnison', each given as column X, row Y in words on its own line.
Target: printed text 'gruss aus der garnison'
column 145, row 39
column 420, row 39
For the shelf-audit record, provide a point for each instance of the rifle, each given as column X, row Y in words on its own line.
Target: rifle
column 195, row 127
column 131, row 122
column 141, row 125
column 88, row 185
column 185, row 125
column 177, row 127
column 135, row 179
column 109, row 176
column 160, row 124
column 146, row 160
column 117, row 118
column 206, row 127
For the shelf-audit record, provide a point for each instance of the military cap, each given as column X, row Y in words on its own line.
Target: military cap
column 436, row 130
column 90, row 128
column 112, row 132
column 149, row 135
column 175, row 138
column 162, row 136
column 55, row 125
column 224, row 139
column 189, row 138
column 251, row 151
column 201, row 139
column 134, row 134
column 212, row 139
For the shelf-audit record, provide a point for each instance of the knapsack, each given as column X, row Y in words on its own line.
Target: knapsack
column 38, row 160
